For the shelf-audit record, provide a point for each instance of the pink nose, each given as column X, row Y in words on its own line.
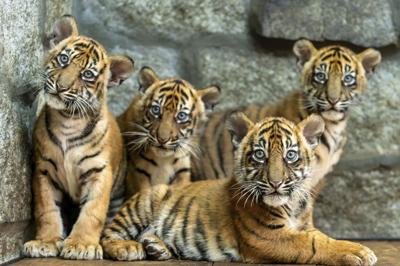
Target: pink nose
column 332, row 100
column 275, row 184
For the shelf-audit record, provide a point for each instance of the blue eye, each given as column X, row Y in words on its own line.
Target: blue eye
column 259, row 156
column 88, row 75
column 349, row 80
column 319, row 77
column 63, row 59
column 155, row 110
column 292, row 156
column 182, row 117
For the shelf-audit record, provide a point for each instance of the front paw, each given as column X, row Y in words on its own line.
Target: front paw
column 355, row 254
column 80, row 250
column 124, row 249
column 42, row 249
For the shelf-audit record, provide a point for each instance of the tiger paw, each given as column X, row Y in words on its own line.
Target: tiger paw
column 355, row 254
column 157, row 250
column 76, row 250
column 42, row 249
column 124, row 249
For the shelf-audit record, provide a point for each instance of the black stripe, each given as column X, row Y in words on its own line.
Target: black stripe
column 148, row 159
column 87, row 130
column 143, row 172
column 180, row 171
column 123, row 227
column 313, row 250
column 249, row 230
column 268, row 226
column 89, row 156
column 325, row 142
column 49, row 160
column 89, row 172
column 200, row 244
column 171, row 217
column 186, row 222
column 52, row 137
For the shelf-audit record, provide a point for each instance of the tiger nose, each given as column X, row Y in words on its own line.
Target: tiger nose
column 275, row 184
column 162, row 140
column 333, row 100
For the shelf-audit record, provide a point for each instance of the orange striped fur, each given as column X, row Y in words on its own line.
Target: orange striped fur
column 332, row 80
column 160, row 128
column 258, row 216
column 78, row 148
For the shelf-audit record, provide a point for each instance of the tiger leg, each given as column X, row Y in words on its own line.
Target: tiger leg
column 314, row 247
column 155, row 247
column 83, row 241
column 119, row 237
column 49, row 226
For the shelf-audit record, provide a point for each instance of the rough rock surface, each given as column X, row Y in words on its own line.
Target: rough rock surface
column 362, row 22
column 22, row 25
column 171, row 19
column 357, row 204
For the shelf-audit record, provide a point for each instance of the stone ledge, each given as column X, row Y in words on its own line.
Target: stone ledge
column 12, row 238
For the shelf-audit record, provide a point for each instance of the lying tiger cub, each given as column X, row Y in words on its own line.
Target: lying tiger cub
column 258, row 216
column 160, row 127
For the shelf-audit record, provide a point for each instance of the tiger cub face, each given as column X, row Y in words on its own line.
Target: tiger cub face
column 273, row 157
column 333, row 77
column 171, row 110
column 78, row 70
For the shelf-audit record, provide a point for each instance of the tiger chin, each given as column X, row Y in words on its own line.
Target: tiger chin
column 78, row 147
column 160, row 128
column 258, row 216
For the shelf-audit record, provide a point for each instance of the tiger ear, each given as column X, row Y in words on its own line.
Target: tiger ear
column 146, row 78
column 303, row 49
column 238, row 124
column 210, row 96
column 312, row 129
column 369, row 58
column 121, row 68
column 63, row 28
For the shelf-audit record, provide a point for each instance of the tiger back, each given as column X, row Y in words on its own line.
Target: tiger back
column 258, row 216
column 332, row 80
column 160, row 128
column 78, row 148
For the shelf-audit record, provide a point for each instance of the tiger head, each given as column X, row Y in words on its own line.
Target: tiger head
column 170, row 112
column 78, row 71
column 274, row 158
column 333, row 77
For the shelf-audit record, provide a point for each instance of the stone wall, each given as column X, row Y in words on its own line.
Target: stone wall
column 245, row 47
column 22, row 25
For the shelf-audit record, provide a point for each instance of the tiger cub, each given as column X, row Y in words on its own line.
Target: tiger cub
column 160, row 128
column 257, row 216
column 78, row 148
column 332, row 78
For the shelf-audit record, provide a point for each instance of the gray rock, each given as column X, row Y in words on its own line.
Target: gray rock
column 257, row 76
column 12, row 237
column 360, row 205
column 247, row 77
column 22, row 26
column 362, row 22
column 171, row 20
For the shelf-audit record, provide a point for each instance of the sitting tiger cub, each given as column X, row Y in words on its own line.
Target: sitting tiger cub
column 160, row 127
column 78, row 148
column 258, row 216
column 332, row 79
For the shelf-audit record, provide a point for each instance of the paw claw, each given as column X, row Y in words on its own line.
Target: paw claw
column 42, row 249
column 74, row 250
